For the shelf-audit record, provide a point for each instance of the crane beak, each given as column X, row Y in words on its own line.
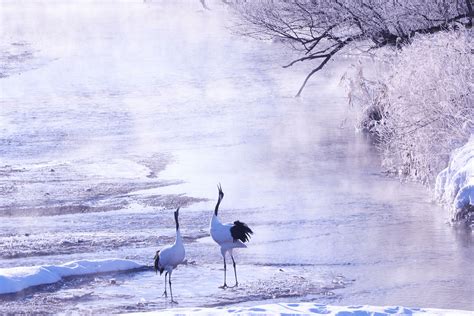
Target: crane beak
column 221, row 194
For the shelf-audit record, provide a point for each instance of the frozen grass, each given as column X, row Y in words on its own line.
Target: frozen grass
column 421, row 107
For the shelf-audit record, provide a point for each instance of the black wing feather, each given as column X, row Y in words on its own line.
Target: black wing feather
column 240, row 231
column 157, row 263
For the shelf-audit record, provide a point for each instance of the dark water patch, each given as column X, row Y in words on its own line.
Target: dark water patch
column 20, row 43
column 170, row 201
column 60, row 244
column 30, row 245
column 47, row 189
column 58, row 210
column 286, row 264
column 56, row 197
column 18, row 57
column 16, row 248
column 276, row 288
column 156, row 163
column 7, row 170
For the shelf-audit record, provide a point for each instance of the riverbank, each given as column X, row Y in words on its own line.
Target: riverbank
column 417, row 103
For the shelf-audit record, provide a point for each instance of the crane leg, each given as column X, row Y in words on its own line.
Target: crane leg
column 235, row 271
column 225, row 268
column 171, row 291
column 164, row 293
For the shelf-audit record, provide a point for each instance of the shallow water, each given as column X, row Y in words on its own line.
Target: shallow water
column 114, row 114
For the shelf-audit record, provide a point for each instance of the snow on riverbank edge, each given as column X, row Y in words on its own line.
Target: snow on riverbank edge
column 309, row 309
column 16, row 279
column 455, row 184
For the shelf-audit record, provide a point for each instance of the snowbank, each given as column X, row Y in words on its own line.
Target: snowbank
column 19, row 278
column 309, row 309
column 455, row 184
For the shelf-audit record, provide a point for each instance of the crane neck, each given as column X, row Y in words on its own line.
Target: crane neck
column 176, row 219
column 217, row 206
column 215, row 220
column 179, row 239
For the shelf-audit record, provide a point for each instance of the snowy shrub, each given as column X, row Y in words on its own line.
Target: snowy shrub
column 421, row 107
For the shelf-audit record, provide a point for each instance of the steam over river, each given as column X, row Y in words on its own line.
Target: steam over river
column 114, row 113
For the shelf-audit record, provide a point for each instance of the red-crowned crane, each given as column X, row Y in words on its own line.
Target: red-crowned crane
column 228, row 236
column 168, row 258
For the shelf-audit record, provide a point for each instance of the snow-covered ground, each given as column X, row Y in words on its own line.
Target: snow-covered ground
column 311, row 309
column 455, row 184
column 20, row 278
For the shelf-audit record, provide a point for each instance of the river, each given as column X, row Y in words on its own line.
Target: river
column 113, row 113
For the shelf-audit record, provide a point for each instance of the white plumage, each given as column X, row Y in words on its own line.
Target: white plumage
column 228, row 236
column 221, row 234
column 168, row 258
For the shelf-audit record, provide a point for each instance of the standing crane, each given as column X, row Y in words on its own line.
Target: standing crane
column 228, row 236
column 168, row 258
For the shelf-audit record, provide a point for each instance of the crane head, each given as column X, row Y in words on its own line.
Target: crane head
column 221, row 193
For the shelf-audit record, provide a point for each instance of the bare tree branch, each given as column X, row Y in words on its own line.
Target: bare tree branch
column 321, row 65
column 322, row 28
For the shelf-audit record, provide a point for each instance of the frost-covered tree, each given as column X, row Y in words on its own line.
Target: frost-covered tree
column 421, row 106
column 320, row 29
